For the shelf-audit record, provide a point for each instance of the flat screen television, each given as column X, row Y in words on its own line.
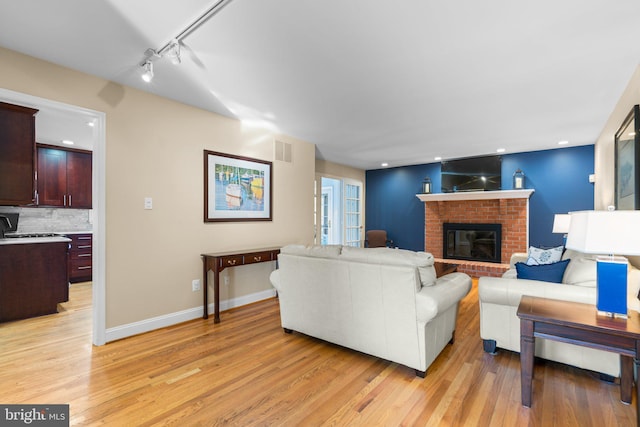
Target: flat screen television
column 471, row 174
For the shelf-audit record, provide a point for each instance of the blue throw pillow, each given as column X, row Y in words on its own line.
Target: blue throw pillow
column 546, row 272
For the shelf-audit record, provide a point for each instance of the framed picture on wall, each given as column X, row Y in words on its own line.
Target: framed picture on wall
column 236, row 188
column 627, row 162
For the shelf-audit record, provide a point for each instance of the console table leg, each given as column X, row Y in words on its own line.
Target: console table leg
column 527, row 351
column 205, row 289
column 626, row 378
column 216, row 295
column 637, row 363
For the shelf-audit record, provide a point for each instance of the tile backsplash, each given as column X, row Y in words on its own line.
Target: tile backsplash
column 36, row 220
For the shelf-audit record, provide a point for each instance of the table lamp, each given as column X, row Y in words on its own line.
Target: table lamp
column 561, row 224
column 613, row 233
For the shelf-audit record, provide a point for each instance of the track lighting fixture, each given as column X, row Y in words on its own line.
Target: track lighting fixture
column 173, row 53
column 147, row 75
column 172, row 49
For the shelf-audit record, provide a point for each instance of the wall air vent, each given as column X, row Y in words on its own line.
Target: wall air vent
column 282, row 151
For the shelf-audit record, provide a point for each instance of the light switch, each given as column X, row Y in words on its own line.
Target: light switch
column 148, row 203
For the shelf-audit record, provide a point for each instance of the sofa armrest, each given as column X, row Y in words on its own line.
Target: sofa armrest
column 508, row 291
column 518, row 257
column 448, row 290
column 274, row 277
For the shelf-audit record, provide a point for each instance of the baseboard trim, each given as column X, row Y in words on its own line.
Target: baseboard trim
column 243, row 300
column 147, row 325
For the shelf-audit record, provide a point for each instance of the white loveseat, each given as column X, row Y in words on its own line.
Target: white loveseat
column 499, row 299
column 380, row 301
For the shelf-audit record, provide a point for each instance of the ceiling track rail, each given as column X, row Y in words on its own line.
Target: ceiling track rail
column 151, row 54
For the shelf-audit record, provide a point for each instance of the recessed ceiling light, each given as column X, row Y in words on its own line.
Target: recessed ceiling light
column 67, row 142
column 501, row 150
column 563, row 142
column 384, row 165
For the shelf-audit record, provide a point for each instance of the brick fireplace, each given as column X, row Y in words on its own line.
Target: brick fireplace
column 510, row 208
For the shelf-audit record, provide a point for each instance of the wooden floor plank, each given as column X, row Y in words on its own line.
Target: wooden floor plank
column 247, row 371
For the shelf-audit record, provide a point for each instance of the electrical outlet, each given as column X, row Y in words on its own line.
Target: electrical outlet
column 226, row 280
column 195, row 285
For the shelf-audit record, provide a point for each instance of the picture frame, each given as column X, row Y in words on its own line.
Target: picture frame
column 627, row 162
column 237, row 188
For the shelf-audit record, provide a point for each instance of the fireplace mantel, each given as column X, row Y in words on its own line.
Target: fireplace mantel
column 476, row 195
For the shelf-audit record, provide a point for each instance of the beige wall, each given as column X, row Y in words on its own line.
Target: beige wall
column 155, row 149
column 604, row 150
column 337, row 170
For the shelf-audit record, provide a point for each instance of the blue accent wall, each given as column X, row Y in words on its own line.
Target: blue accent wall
column 392, row 205
column 560, row 178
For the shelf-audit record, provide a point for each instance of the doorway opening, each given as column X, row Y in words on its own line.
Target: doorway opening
column 98, row 211
column 338, row 211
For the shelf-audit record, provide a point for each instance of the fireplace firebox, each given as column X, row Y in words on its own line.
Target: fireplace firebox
column 472, row 242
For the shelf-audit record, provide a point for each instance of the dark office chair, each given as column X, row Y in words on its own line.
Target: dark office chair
column 377, row 239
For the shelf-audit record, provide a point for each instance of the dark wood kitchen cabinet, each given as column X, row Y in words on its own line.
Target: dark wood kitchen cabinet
column 33, row 279
column 17, row 154
column 80, row 257
column 64, row 177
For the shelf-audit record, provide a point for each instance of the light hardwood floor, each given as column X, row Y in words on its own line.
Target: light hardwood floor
column 245, row 371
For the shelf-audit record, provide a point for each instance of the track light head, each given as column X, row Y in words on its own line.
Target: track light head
column 172, row 49
column 147, row 75
column 174, row 52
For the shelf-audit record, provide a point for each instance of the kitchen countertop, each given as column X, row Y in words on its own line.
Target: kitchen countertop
column 26, row 240
column 73, row 232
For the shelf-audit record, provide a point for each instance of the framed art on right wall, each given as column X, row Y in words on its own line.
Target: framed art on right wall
column 627, row 162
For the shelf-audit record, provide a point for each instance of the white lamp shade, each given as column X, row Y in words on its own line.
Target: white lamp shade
column 561, row 223
column 605, row 232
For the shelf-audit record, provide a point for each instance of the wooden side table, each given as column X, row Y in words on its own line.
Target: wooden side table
column 578, row 324
column 443, row 268
column 218, row 261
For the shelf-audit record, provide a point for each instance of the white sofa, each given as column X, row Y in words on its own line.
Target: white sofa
column 499, row 299
column 380, row 301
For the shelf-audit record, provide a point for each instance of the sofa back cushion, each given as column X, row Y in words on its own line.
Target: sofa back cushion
column 316, row 251
column 581, row 271
column 423, row 261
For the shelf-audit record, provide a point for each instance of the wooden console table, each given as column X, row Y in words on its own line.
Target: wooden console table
column 218, row 261
column 579, row 324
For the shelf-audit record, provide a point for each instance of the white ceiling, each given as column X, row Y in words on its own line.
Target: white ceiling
column 367, row 81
